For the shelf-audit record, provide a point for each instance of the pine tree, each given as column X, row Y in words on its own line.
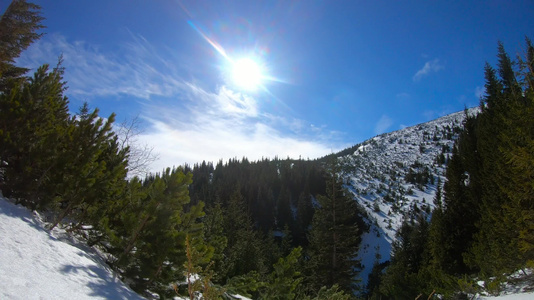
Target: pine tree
column 151, row 252
column 85, row 180
column 34, row 124
column 409, row 257
column 495, row 245
column 455, row 219
column 244, row 251
column 215, row 236
column 518, row 151
column 285, row 279
column 304, row 217
column 18, row 26
column 334, row 237
column 283, row 208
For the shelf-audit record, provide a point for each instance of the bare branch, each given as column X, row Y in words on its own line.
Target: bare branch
column 141, row 154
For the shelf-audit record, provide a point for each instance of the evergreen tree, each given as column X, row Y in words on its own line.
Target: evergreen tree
column 304, row 217
column 402, row 280
column 495, row 247
column 86, row 180
column 34, row 126
column 285, row 279
column 244, row 251
column 437, row 236
column 18, row 30
column 283, row 208
column 518, row 151
column 461, row 202
column 334, row 237
column 152, row 252
column 216, row 237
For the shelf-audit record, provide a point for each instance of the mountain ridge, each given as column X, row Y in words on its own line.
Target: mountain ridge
column 394, row 176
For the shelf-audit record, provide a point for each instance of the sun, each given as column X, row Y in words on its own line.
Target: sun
column 246, row 74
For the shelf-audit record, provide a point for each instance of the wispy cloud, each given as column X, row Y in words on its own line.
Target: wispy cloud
column 431, row 66
column 185, row 122
column 383, row 124
column 213, row 126
column 403, row 96
column 133, row 70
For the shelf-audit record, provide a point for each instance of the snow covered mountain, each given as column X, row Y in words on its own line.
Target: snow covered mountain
column 394, row 176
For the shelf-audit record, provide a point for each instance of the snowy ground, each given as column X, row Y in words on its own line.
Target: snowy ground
column 525, row 296
column 517, row 286
column 36, row 264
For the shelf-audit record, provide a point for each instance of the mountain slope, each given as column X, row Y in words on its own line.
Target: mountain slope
column 36, row 264
column 394, row 177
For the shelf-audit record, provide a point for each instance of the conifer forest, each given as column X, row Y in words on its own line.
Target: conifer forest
column 275, row 228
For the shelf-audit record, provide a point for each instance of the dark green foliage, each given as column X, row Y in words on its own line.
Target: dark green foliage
column 284, row 282
column 18, row 26
column 285, row 278
column 505, row 130
column 482, row 224
column 334, row 238
column 461, row 202
column 34, row 126
column 151, row 230
column 216, row 237
column 85, row 180
column 375, row 277
column 243, row 253
column 402, row 279
column 272, row 190
column 265, row 208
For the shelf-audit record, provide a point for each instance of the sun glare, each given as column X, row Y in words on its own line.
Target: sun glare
column 246, row 74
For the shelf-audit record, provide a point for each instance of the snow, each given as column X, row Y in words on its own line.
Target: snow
column 524, row 296
column 517, row 286
column 376, row 172
column 374, row 242
column 36, row 264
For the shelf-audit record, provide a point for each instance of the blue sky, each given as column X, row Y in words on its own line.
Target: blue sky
column 335, row 72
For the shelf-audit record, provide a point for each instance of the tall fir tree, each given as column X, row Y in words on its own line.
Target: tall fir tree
column 18, row 30
column 244, row 251
column 495, row 247
column 334, row 237
column 34, row 129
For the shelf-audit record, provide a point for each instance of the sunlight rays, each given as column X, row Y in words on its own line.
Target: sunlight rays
column 247, row 73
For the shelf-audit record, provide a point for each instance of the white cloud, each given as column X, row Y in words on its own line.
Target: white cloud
column 207, row 129
column 429, row 67
column 186, row 123
column 135, row 69
column 383, row 124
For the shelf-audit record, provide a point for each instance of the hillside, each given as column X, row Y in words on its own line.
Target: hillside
column 37, row 264
column 394, row 177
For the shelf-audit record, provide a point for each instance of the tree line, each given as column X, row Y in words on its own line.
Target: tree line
column 271, row 229
column 482, row 225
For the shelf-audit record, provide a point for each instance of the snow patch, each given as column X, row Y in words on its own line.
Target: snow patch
column 35, row 264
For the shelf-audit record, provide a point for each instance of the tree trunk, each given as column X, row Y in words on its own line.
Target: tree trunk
column 63, row 214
